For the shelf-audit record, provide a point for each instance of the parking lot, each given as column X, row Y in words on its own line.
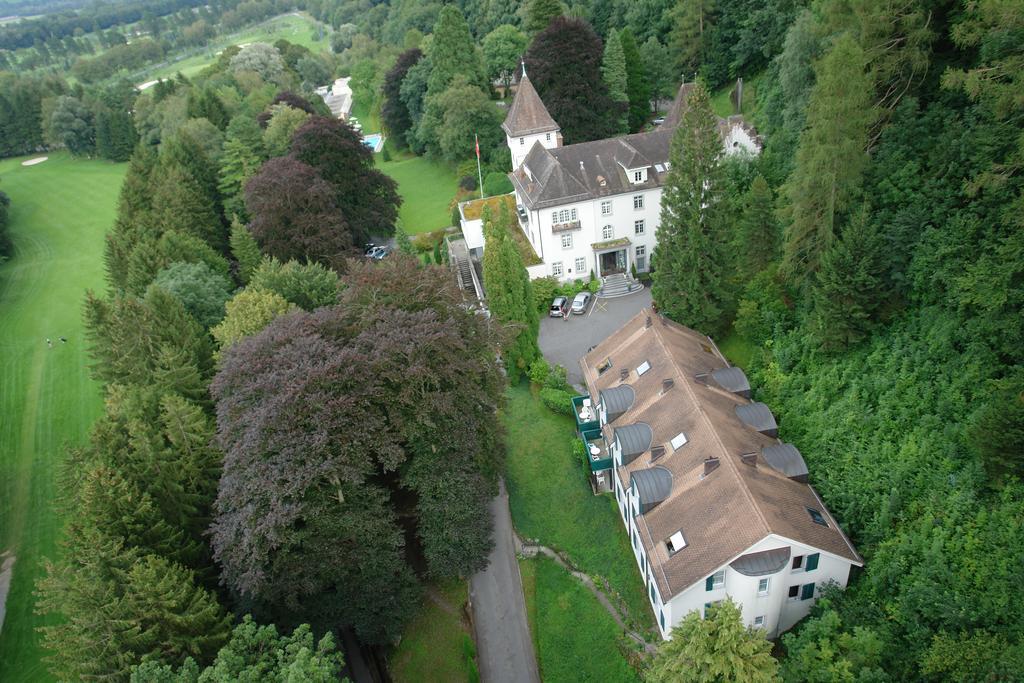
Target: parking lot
column 564, row 342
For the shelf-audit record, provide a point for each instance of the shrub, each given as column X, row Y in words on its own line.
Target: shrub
column 556, row 379
column 423, row 242
column 580, row 451
column 557, row 401
column 385, row 154
column 539, row 371
column 762, row 307
column 437, row 252
column 497, row 183
column 456, row 216
column 467, row 182
column 544, row 290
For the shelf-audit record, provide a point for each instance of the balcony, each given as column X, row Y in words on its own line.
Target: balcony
column 586, row 415
column 565, row 227
column 597, row 450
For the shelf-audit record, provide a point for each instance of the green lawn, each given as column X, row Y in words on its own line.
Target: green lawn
column 575, row 638
column 294, row 29
column 60, row 210
column 551, row 501
column 737, row 349
column 437, row 645
column 427, row 188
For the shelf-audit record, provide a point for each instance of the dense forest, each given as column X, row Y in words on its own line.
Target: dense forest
column 871, row 260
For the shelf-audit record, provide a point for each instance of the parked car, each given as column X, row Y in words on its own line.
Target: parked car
column 580, row 303
column 559, row 307
column 368, row 247
column 380, row 252
column 658, row 121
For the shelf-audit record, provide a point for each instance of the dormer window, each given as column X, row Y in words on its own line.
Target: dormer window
column 675, row 543
column 547, row 137
column 640, row 176
column 605, row 366
column 817, row 517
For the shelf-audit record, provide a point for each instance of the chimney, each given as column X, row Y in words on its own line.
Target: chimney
column 666, row 384
column 623, row 374
column 749, row 459
column 710, row 465
column 648, row 323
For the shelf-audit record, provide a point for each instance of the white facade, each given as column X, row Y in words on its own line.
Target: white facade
column 775, row 602
column 570, row 253
column 521, row 146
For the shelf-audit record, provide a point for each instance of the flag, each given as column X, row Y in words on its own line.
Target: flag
column 477, row 147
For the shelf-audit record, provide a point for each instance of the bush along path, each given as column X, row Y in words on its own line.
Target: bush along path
column 527, row 549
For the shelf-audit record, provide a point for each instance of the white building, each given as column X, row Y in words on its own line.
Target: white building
column 713, row 503
column 594, row 206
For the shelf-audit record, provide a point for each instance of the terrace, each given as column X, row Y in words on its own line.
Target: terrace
column 597, row 450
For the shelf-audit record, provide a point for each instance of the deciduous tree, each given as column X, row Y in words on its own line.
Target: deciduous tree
column 395, row 112
column 307, row 285
column 503, row 49
column 248, row 312
column 200, row 290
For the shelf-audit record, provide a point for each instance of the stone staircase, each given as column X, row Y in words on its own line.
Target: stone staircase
column 618, row 285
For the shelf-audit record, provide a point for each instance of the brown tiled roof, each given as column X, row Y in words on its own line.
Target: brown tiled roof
column 528, row 115
column 734, row 506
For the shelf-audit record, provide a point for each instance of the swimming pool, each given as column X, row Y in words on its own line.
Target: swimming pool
column 375, row 142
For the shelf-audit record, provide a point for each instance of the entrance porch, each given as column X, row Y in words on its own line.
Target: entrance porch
column 612, row 257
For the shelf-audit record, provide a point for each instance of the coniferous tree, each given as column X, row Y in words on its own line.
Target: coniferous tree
column 394, row 112
column 831, row 157
column 454, row 53
column 245, row 250
column 179, row 203
column 637, row 85
column 688, row 280
column 307, row 285
column 563, row 63
column 658, row 70
column 200, row 290
column 133, row 208
column 540, row 13
column 759, row 231
column 509, row 295
column 716, row 648
column 613, row 71
column 848, row 287
column 691, row 27
column 242, row 157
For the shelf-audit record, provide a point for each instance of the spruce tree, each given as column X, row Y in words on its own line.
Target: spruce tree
column 831, row 157
column 688, row 39
column 848, row 288
column 759, row 231
column 638, row 87
column 243, row 154
column 179, row 203
column 539, row 14
column 613, row 71
column 453, row 52
column 133, row 208
column 509, row 295
column 716, row 648
column 688, row 282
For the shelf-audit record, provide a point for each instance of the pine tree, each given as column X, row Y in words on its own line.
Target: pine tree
column 245, row 250
column 688, row 282
column 691, row 28
column 119, row 607
column 848, row 288
column 716, row 648
column 539, row 14
column 613, row 71
column 759, row 231
column 509, row 295
column 243, row 154
column 831, row 157
column 638, row 87
column 453, row 52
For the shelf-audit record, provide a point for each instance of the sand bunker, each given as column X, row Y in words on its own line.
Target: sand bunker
column 33, row 162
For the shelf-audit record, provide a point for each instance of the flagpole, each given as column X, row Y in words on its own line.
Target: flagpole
column 479, row 173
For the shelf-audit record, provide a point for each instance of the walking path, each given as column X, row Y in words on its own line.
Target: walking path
column 504, row 646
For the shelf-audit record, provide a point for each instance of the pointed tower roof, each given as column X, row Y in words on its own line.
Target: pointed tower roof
column 528, row 115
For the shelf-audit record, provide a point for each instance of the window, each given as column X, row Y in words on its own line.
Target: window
column 638, row 201
column 563, row 216
column 798, row 563
column 654, row 599
column 633, row 536
column 759, row 621
column 567, row 240
column 642, row 368
column 807, row 591
column 607, row 232
column 638, row 176
column 643, row 563
column 638, row 227
column 641, row 258
column 675, row 543
column 604, row 366
column 581, row 265
column 678, row 441
column 817, row 517
column 715, row 581
column 762, row 586
column 547, row 137
column 794, row 592
column 812, row 562
column 661, row 618
column 606, row 208
column 522, row 141
column 709, row 605
column 556, row 268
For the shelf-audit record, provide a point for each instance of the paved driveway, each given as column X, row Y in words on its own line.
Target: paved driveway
column 564, row 342
column 499, row 609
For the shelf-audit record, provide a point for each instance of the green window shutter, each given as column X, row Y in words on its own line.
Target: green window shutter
column 807, row 592
column 710, row 583
column 812, row 562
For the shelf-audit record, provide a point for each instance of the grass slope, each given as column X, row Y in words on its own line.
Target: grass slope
column 575, row 638
column 60, row 210
column 436, row 645
column 551, row 501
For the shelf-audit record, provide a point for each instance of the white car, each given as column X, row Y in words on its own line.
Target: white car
column 580, row 303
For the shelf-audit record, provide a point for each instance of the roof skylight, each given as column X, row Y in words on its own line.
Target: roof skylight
column 642, row 368
column 679, row 441
column 817, row 517
column 675, row 543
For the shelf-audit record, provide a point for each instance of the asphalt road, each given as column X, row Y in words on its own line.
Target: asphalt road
column 503, row 642
column 564, row 342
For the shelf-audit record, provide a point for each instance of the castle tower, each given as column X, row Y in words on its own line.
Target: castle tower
column 529, row 122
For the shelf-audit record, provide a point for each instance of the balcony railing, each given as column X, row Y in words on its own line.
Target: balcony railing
column 563, row 227
column 586, row 416
column 597, row 450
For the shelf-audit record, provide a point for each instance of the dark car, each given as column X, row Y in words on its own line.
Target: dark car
column 559, row 307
